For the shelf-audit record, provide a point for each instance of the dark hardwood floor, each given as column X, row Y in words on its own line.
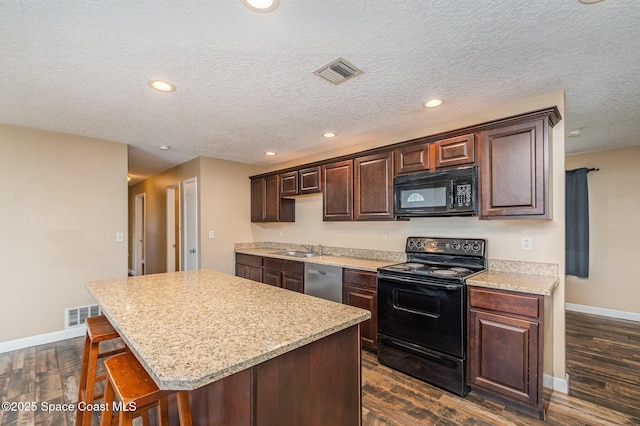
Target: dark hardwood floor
column 603, row 356
column 603, row 361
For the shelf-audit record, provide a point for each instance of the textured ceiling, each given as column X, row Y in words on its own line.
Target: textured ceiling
column 245, row 81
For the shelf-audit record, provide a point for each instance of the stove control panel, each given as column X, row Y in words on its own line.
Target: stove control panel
column 456, row 246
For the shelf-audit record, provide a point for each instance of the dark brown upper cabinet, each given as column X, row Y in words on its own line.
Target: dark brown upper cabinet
column 266, row 202
column 298, row 182
column 434, row 155
column 310, row 180
column 456, row 151
column 359, row 189
column 373, row 187
column 337, row 181
column 289, row 184
column 514, row 168
column 412, row 158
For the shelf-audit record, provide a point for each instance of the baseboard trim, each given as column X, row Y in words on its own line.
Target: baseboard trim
column 612, row 313
column 556, row 383
column 42, row 339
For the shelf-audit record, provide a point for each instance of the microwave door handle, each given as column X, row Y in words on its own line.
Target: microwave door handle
column 452, row 188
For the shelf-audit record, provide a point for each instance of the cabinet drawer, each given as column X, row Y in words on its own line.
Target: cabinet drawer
column 284, row 265
column 247, row 259
column 527, row 305
column 360, row 278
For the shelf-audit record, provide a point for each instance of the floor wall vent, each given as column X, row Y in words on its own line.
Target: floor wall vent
column 75, row 317
column 338, row 71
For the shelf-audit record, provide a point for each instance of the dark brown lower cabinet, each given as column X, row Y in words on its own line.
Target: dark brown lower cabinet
column 287, row 274
column 360, row 290
column 248, row 266
column 506, row 347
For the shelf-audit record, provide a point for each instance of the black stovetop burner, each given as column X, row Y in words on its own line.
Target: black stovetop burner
column 441, row 258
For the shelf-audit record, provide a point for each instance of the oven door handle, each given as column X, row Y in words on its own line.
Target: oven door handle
column 451, row 287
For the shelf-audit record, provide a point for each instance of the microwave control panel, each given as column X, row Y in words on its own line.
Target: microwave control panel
column 463, row 195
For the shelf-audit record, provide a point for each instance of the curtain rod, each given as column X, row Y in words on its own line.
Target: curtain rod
column 593, row 169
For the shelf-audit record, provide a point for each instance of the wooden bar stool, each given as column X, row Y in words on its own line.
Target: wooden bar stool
column 135, row 389
column 99, row 329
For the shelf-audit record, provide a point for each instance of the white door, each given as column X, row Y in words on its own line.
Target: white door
column 173, row 228
column 139, row 243
column 190, row 228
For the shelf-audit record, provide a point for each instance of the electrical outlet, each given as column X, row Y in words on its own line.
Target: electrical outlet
column 385, row 236
column 527, row 243
column 211, row 234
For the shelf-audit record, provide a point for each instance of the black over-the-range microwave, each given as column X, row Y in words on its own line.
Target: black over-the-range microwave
column 452, row 192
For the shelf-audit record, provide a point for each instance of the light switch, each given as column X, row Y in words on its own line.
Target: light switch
column 211, row 234
column 119, row 237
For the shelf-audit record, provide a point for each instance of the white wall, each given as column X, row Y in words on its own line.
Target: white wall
column 65, row 199
column 614, row 231
column 504, row 236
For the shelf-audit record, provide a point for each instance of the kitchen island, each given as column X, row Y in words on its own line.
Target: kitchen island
column 249, row 353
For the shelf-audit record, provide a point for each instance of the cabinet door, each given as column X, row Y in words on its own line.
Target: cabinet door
column 337, row 181
column 289, row 183
column 365, row 299
column 454, row 151
column 257, row 200
column 310, row 181
column 514, row 171
column 272, row 198
column 272, row 277
column 412, row 158
column 503, row 356
column 373, row 185
column 294, row 282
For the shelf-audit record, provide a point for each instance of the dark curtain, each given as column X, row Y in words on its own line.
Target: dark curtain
column 577, row 223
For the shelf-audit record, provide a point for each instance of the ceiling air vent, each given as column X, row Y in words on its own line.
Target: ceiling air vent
column 338, row 71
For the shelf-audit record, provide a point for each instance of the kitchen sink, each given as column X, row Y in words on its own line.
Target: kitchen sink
column 296, row 253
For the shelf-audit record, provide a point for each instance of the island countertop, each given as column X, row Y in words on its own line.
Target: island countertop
column 189, row 329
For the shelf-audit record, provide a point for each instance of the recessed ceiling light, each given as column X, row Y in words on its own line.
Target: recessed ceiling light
column 329, row 135
column 261, row 5
column 164, row 147
column 574, row 133
column 162, row 86
column 270, row 153
column 432, row 103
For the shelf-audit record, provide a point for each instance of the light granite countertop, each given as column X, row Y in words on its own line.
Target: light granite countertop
column 328, row 259
column 521, row 283
column 191, row 328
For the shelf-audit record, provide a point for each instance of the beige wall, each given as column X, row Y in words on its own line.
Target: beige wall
column 65, row 200
column 224, row 208
column 504, row 236
column 614, row 231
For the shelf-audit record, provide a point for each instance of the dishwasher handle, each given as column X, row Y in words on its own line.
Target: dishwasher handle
column 323, row 273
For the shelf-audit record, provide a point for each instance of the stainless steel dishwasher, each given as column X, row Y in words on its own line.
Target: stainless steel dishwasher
column 323, row 281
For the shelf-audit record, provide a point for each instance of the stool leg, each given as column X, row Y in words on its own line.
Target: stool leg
column 184, row 408
column 126, row 418
column 82, row 386
column 107, row 399
column 145, row 418
column 91, row 383
column 163, row 412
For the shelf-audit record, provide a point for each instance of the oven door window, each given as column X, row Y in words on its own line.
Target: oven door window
column 425, row 303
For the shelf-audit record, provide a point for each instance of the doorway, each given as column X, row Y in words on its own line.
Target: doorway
column 173, row 227
column 190, row 228
column 139, row 234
